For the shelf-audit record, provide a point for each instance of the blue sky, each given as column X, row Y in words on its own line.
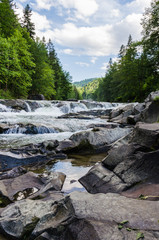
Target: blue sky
column 86, row 33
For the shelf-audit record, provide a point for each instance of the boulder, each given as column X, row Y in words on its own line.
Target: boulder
column 36, row 97
column 96, row 140
column 101, row 180
column 152, row 96
column 45, row 148
column 8, row 162
column 16, row 105
column 82, row 216
column 15, row 172
column 118, row 154
column 139, row 108
column 146, row 135
column 111, row 216
column 124, row 111
column 76, row 116
column 138, row 168
column 4, row 127
column 21, row 186
column 18, row 220
column 131, row 160
column 31, row 185
column 33, row 105
column 151, row 113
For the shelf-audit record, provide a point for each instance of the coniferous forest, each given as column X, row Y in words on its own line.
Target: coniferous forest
column 136, row 73
column 28, row 65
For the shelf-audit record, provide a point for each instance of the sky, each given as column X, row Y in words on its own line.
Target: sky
column 86, row 33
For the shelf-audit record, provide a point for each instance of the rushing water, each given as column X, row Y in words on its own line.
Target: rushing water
column 45, row 119
column 42, row 123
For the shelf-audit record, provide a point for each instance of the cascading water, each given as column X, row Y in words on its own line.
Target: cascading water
column 32, row 122
column 40, row 120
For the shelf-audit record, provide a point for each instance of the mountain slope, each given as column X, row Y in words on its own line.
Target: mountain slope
column 83, row 82
column 87, row 87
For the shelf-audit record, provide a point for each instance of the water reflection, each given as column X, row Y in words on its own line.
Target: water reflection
column 75, row 167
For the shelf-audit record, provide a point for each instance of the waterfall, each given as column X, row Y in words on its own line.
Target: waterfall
column 28, row 107
column 30, row 130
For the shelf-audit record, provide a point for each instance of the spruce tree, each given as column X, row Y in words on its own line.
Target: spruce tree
column 27, row 22
column 8, row 19
column 150, row 39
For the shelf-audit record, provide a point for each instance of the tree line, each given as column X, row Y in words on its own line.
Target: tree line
column 28, row 65
column 136, row 72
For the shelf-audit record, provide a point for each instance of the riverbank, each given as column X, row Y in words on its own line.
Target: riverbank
column 41, row 141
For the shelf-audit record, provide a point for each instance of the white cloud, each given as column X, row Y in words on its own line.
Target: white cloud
column 138, row 6
column 44, row 4
column 106, row 64
column 95, row 39
column 82, row 64
column 129, row 25
column 90, row 41
column 83, row 8
column 22, row 1
column 93, row 60
column 41, row 22
column 115, row 13
column 67, row 51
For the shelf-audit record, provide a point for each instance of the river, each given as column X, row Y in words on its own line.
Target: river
column 40, row 121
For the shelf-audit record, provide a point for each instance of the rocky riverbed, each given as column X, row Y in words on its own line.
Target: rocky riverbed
column 112, row 149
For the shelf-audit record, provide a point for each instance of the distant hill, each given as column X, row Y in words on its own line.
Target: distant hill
column 83, row 82
column 87, row 87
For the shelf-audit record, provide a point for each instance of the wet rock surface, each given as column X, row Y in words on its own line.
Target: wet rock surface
column 96, row 140
column 123, row 200
column 82, row 216
column 130, row 165
column 29, row 184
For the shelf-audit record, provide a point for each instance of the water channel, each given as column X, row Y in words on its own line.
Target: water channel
column 42, row 121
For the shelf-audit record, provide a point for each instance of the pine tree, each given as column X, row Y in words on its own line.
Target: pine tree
column 8, row 19
column 27, row 22
column 62, row 78
column 129, row 41
column 43, row 77
column 150, row 39
column 122, row 51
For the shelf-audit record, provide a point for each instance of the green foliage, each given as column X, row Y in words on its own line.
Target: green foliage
column 83, row 82
column 26, row 65
column 143, row 197
column 27, row 23
column 140, row 235
column 16, row 65
column 135, row 74
column 74, row 93
column 62, row 78
column 88, row 87
column 121, row 224
column 43, row 77
column 8, row 19
column 156, row 99
column 5, row 94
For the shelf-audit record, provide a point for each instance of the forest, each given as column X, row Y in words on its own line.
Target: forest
column 28, row 65
column 136, row 72
column 86, row 88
